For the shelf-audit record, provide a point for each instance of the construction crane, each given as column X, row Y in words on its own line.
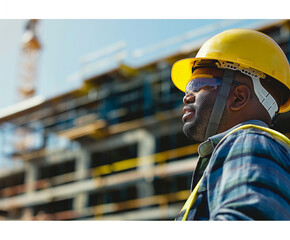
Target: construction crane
column 30, row 52
column 29, row 61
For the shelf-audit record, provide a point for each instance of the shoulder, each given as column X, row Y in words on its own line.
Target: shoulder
column 254, row 137
column 253, row 143
column 248, row 175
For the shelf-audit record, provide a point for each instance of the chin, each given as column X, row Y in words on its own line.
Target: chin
column 193, row 132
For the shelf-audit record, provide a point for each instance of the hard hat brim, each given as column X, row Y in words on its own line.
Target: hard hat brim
column 181, row 73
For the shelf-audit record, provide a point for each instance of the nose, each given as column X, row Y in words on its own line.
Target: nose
column 188, row 98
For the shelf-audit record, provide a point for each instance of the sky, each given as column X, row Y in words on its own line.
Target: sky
column 66, row 42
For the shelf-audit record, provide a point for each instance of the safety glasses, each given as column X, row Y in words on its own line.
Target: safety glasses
column 206, row 82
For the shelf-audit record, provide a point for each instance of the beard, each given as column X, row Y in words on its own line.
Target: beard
column 195, row 128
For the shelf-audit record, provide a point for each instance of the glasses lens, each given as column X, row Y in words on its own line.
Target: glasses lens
column 195, row 85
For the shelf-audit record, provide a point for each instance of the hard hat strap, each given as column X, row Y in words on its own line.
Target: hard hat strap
column 220, row 102
column 265, row 97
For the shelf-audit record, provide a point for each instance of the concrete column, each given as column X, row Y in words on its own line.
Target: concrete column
column 81, row 171
column 30, row 176
column 146, row 147
column 82, row 164
column 80, row 202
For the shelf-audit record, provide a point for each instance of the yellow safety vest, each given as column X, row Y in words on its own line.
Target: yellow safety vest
column 190, row 201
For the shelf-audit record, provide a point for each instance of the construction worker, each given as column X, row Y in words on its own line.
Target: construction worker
column 234, row 89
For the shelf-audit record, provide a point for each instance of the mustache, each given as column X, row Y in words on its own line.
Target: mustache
column 188, row 108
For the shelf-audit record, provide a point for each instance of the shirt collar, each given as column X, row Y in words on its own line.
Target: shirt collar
column 208, row 146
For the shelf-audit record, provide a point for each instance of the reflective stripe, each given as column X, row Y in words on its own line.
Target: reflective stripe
column 274, row 133
column 190, row 201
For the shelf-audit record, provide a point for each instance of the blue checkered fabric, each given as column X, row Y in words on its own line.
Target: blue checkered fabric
column 246, row 178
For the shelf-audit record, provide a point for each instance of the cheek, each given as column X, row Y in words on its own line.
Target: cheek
column 205, row 100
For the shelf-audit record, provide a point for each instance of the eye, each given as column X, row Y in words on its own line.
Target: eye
column 190, row 93
column 205, row 87
column 201, row 86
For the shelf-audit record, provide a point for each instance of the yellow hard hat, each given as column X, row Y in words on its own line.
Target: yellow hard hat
column 249, row 51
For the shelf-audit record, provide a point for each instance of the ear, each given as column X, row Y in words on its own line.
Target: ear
column 239, row 97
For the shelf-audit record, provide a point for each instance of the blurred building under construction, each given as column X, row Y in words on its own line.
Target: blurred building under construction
column 111, row 150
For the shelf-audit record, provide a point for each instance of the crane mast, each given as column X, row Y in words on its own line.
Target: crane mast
column 30, row 53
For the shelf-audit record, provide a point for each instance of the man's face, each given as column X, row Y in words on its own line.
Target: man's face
column 198, row 107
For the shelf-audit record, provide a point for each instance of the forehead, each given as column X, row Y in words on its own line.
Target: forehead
column 211, row 71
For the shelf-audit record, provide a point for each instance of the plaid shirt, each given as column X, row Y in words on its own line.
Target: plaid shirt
column 245, row 177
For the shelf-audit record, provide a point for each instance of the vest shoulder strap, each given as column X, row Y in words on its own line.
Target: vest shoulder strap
column 188, row 204
column 277, row 135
